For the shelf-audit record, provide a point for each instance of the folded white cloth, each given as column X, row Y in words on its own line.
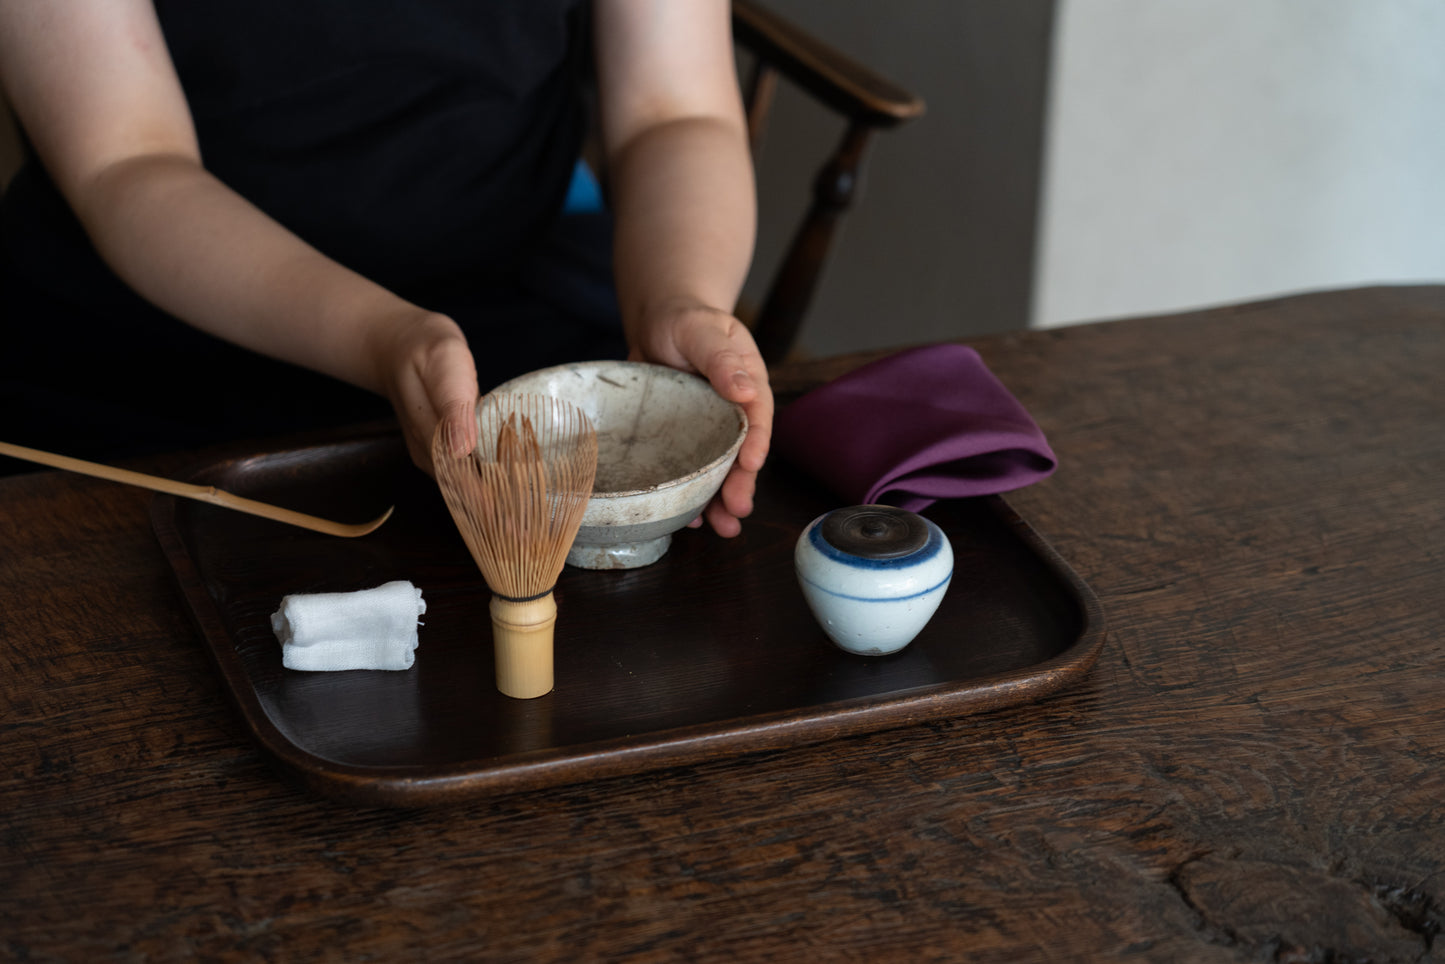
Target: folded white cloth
column 368, row 629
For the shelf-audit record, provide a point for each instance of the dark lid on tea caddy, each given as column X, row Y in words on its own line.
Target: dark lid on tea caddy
column 874, row 531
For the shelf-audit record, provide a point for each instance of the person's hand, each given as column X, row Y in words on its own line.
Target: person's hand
column 429, row 375
column 696, row 338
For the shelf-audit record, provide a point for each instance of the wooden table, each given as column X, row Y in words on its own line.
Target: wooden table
column 1254, row 770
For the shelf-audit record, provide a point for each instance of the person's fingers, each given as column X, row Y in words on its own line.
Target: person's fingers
column 735, row 498
column 727, row 356
column 720, row 348
column 723, row 522
column 756, row 398
column 435, row 382
column 414, row 415
column 754, row 451
column 737, row 491
column 451, row 385
column 458, row 428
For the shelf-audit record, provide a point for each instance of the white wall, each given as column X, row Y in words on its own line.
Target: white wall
column 1206, row 151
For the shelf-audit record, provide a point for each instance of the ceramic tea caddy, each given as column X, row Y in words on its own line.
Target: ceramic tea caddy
column 873, row 575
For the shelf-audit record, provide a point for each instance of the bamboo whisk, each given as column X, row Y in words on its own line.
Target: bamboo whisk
column 518, row 497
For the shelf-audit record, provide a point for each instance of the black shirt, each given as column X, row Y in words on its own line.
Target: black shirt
column 424, row 143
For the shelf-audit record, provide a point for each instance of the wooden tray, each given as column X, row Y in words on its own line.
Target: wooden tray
column 709, row 652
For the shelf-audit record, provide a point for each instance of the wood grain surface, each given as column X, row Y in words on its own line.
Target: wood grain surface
column 1252, row 772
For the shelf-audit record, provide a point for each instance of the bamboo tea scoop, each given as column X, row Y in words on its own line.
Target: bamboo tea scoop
column 201, row 493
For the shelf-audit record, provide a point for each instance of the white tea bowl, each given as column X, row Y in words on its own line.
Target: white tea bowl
column 665, row 442
column 873, row 575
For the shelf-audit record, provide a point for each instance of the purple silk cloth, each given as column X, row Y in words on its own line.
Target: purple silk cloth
column 922, row 425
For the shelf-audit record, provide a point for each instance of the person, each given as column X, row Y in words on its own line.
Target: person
column 344, row 195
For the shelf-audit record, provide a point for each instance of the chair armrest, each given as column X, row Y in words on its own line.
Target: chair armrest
column 834, row 78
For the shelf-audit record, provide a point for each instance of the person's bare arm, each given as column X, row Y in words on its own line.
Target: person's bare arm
column 682, row 188
column 94, row 87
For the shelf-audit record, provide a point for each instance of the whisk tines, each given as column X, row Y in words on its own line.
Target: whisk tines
column 517, row 442
column 518, row 498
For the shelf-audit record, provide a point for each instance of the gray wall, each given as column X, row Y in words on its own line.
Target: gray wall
column 1099, row 158
column 1204, row 152
column 941, row 242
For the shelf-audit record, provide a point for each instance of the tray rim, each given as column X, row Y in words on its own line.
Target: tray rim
column 432, row 785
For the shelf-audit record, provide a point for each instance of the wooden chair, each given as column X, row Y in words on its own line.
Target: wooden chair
column 866, row 100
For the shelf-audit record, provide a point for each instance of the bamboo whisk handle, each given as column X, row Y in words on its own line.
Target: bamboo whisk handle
column 522, row 635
